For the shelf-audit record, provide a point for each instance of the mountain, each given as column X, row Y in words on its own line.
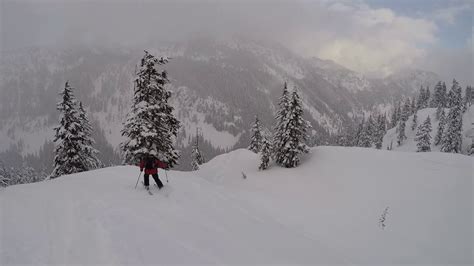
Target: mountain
column 368, row 212
column 219, row 86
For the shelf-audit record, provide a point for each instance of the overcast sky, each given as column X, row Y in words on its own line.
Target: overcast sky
column 375, row 37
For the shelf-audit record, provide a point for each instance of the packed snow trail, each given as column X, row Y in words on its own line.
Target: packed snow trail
column 326, row 211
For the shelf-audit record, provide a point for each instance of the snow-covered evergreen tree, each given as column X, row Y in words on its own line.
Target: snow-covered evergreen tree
column 266, row 153
column 452, row 94
column 380, row 131
column 290, row 131
column 441, row 125
column 88, row 153
column 401, row 132
column 402, row 123
column 357, row 134
column 468, row 96
column 414, row 121
column 420, row 102
column 256, row 138
column 280, row 137
column 397, row 110
column 471, row 148
column 405, row 113
column 413, row 108
column 452, row 136
column 427, row 97
column 423, row 136
column 439, row 96
column 5, row 175
column 196, row 156
column 365, row 138
column 467, row 99
column 151, row 127
column 439, row 110
column 69, row 137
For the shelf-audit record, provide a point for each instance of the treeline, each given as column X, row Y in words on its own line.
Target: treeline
column 450, row 107
column 19, row 175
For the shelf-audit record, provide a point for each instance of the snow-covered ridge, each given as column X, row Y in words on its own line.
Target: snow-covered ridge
column 345, row 206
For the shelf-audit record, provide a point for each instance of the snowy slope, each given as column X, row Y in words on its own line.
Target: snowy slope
column 410, row 145
column 325, row 212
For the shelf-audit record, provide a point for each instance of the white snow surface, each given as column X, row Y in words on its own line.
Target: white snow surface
column 324, row 212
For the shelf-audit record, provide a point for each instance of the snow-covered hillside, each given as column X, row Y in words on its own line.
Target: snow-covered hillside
column 410, row 145
column 327, row 211
column 219, row 86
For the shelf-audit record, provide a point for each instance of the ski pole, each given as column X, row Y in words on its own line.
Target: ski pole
column 166, row 173
column 138, row 179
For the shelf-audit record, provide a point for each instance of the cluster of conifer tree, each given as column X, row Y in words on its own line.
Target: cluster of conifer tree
column 74, row 151
column 19, row 175
column 450, row 106
column 290, row 136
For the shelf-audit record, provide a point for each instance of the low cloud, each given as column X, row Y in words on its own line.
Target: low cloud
column 374, row 41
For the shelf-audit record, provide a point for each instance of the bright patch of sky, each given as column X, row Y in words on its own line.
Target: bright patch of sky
column 454, row 19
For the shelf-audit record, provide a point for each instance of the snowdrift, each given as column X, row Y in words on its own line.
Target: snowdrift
column 341, row 206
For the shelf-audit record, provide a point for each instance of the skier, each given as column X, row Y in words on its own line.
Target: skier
column 151, row 165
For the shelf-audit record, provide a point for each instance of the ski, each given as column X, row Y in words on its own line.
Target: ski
column 148, row 190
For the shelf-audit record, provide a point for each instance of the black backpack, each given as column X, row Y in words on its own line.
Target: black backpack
column 150, row 163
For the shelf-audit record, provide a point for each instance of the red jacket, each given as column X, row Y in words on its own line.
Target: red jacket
column 157, row 164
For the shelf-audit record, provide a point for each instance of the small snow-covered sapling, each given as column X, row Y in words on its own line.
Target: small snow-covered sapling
column 383, row 218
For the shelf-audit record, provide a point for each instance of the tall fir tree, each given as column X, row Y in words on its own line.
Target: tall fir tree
column 414, row 121
column 405, row 113
column 471, row 148
column 452, row 94
column 468, row 96
column 439, row 110
column 423, row 136
column 365, row 138
column 401, row 132
column 452, row 136
column 380, row 131
column 396, row 114
column 427, row 98
column 467, row 99
column 266, row 152
column 394, row 118
column 291, row 132
column 445, row 95
column 256, row 138
column 5, row 175
column 357, row 134
column 89, row 153
column 196, row 156
column 402, row 123
column 69, row 136
column 151, row 127
column 441, row 125
column 280, row 129
column 420, row 101
column 439, row 96
column 413, row 108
